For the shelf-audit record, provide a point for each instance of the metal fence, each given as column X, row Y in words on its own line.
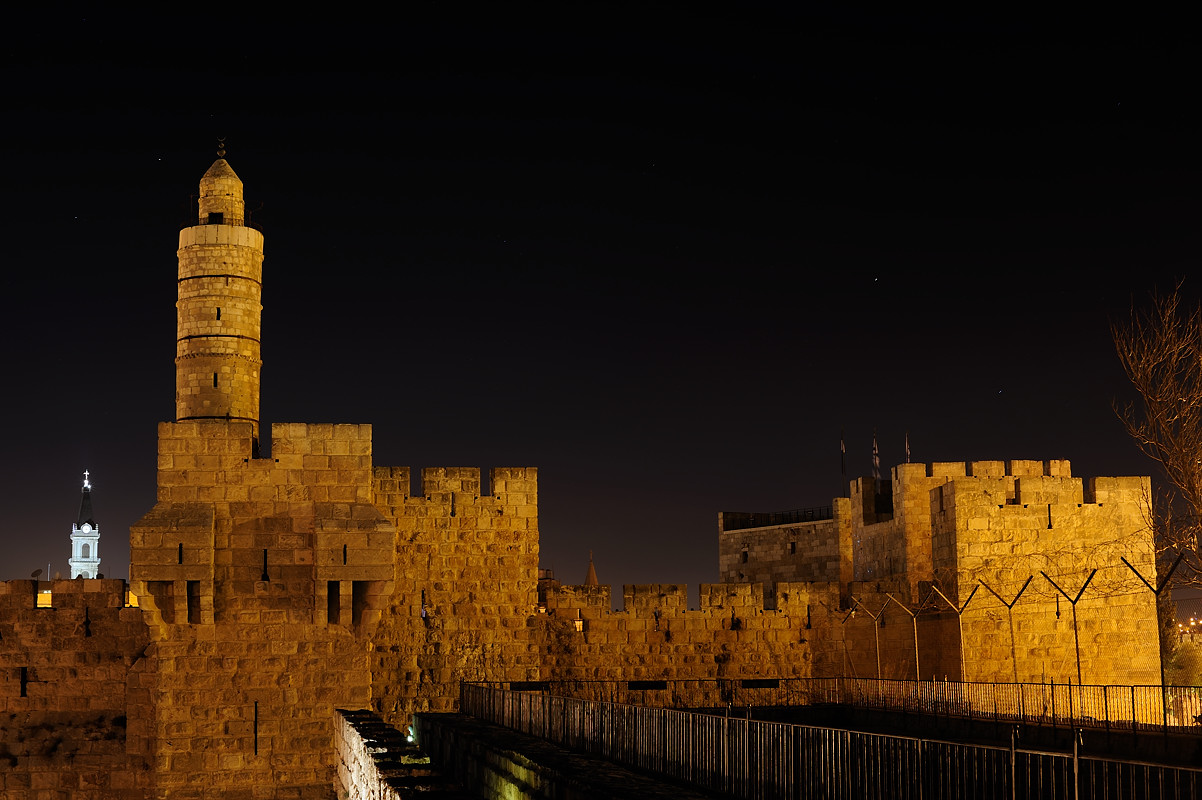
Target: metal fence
column 760, row 760
column 742, row 520
column 1174, row 708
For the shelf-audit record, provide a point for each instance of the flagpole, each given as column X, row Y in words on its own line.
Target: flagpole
column 842, row 461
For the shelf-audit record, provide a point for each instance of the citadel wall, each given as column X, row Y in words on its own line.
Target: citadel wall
column 76, row 692
column 996, row 532
column 466, row 577
column 806, row 551
column 986, row 527
column 261, row 581
column 656, row 636
column 276, row 590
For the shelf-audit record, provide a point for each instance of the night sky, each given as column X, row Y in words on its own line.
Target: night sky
column 664, row 256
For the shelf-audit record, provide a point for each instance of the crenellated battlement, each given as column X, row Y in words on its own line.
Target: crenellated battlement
column 655, row 636
column 1055, row 468
column 63, row 594
column 969, row 529
column 514, row 486
column 662, row 601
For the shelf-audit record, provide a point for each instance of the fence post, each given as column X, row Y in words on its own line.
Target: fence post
column 663, row 740
column 918, row 765
column 1072, row 720
column 1014, row 763
column 1076, row 765
column 747, row 756
column 726, row 752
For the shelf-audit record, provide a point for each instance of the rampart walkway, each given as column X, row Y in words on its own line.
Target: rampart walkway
column 759, row 760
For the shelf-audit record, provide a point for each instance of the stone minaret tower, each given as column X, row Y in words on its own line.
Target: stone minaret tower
column 85, row 538
column 217, row 359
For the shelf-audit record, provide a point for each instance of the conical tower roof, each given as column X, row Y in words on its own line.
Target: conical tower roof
column 591, row 578
column 85, row 505
column 220, row 169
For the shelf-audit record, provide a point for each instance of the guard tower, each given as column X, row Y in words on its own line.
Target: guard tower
column 85, row 538
column 219, row 309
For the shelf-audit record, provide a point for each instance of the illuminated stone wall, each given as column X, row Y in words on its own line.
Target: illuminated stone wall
column 261, row 580
column 996, row 532
column 657, row 637
column 466, row 585
column 808, row 551
column 278, row 589
column 984, row 525
column 76, row 684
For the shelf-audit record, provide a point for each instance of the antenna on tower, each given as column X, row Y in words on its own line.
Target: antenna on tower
column 221, row 147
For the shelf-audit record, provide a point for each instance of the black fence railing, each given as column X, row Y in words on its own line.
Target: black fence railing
column 759, row 760
column 1132, row 708
column 741, row 520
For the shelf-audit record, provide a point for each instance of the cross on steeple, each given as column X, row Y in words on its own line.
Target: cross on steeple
column 86, row 485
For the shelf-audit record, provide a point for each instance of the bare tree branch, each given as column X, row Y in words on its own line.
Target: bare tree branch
column 1160, row 348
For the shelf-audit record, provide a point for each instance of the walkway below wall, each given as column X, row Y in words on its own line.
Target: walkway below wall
column 1150, row 745
column 492, row 761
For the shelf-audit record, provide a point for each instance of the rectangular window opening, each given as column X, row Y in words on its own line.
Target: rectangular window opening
column 333, row 602
column 647, row 686
column 216, row 217
column 529, row 686
column 358, row 600
column 214, row 380
column 194, row 602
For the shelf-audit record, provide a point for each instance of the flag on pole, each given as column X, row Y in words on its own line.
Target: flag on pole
column 842, row 455
column 907, row 447
column 876, row 458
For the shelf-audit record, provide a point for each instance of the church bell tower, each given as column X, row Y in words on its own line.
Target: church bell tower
column 85, row 538
column 219, row 309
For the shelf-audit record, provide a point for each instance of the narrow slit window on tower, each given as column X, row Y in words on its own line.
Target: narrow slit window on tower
column 218, row 312
column 214, row 380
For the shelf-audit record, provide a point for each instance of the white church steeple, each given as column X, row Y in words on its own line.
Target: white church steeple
column 85, row 538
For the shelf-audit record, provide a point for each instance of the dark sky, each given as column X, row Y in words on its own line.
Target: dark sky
column 664, row 256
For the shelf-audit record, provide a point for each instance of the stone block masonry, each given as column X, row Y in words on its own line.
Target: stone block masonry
column 976, row 532
column 657, row 637
column 465, row 587
column 263, row 580
column 75, row 693
column 274, row 591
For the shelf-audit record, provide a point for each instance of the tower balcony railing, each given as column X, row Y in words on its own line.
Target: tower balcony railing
column 219, row 219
